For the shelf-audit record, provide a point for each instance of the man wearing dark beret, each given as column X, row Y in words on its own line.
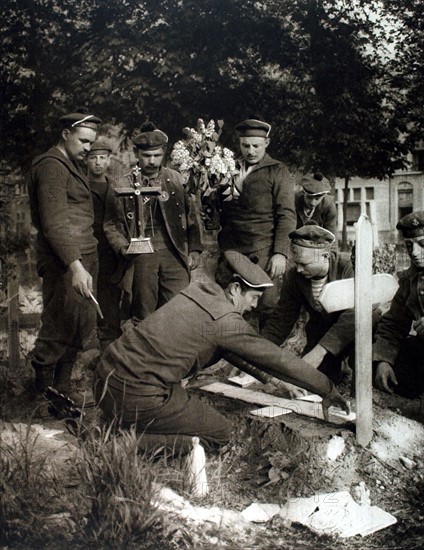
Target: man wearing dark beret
column 314, row 202
column 151, row 279
column 398, row 351
column 329, row 337
column 258, row 222
column 62, row 213
column 138, row 380
column 108, row 293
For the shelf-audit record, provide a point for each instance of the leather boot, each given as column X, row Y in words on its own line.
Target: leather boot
column 63, row 383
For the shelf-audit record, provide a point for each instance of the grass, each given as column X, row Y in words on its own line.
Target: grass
column 106, row 500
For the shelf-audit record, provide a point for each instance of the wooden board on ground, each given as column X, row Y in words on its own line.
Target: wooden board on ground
column 313, row 410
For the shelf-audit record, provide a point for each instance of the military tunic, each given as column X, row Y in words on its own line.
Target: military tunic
column 395, row 342
column 259, row 221
column 152, row 279
column 62, row 212
column 143, row 369
column 324, row 214
column 333, row 331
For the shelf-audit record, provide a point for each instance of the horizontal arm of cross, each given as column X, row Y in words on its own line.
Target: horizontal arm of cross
column 147, row 191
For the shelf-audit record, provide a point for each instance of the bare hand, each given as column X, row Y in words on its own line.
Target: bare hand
column 294, row 392
column 419, row 327
column 316, row 356
column 276, row 265
column 82, row 281
column 384, row 375
column 193, row 260
column 334, row 399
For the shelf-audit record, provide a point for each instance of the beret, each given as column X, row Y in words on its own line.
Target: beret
column 101, row 144
column 82, row 120
column 253, row 128
column 150, row 140
column 315, row 184
column 312, row 236
column 251, row 274
column 412, row 225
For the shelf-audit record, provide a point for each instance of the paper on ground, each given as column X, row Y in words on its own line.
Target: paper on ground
column 243, row 380
column 336, row 513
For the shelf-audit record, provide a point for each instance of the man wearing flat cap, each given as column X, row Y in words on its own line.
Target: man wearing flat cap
column 66, row 249
column 398, row 351
column 138, row 380
column 151, row 279
column 329, row 336
column 258, row 222
column 315, row 203
column 108, row 293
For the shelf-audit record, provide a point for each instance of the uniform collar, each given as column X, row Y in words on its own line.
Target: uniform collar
column 211, row 298
column 57, row 154
column 266, row 161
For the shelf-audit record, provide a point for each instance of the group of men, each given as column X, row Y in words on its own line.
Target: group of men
column 278, row 250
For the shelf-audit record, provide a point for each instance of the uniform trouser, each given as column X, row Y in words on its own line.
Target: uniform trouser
column 68, row 320
column 108, row 296
column 158, row 277
column 409, row 368
column 169, row 421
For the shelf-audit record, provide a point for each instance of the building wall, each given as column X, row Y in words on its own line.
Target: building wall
column 384, row 201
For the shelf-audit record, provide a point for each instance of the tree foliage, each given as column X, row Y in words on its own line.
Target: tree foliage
column 406, row 66
column 311, row 67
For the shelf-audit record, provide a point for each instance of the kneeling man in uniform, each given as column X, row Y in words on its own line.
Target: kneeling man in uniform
column 138, row 380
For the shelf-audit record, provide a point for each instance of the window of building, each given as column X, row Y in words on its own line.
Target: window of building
column 369, row 193
column 405, row 199
column 356, row 193
column 353, row 212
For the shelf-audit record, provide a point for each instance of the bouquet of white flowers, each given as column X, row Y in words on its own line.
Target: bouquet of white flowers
column 206, row 166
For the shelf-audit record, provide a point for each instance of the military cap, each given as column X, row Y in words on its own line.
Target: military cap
column 80, row 120
column 251, row 274
column 412, row 225
column 312, row 236
column 150, row 140
column 253, row 128
column 315, row 184
column 101, row 144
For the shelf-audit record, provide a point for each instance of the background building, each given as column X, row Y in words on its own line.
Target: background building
column 384, row 201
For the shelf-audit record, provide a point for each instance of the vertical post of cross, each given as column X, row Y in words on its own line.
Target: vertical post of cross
column 363, row 330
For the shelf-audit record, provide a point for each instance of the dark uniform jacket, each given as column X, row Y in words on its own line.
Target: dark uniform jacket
column 99, row 192
column 325, row 214
column 61, row 208
column 263, row 215
column 192, row 331
column 395, row 325
column 180, row 220
column 334, row 331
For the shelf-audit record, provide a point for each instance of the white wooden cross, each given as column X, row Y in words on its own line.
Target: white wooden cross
column 361, row 293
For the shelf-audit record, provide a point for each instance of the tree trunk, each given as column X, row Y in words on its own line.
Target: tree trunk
column 344, row 245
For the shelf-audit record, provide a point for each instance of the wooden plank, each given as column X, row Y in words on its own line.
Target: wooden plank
column 311, row 409
column 363, row 330
column 339, row 295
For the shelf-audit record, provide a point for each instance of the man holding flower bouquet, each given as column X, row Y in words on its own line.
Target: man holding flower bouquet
column 257, row 223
